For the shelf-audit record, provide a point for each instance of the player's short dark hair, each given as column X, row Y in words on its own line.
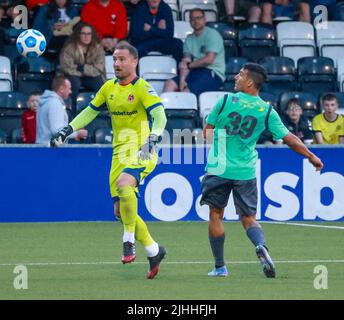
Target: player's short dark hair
column 257, row 73
column 122, row 45
column 58, row 81
column 328, row 97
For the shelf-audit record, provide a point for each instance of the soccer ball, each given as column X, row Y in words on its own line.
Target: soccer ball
column 31, row 43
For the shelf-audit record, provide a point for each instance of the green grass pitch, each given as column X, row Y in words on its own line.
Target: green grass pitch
column 82, row 261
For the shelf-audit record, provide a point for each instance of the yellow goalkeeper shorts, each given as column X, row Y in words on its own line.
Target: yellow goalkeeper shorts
column 137, row 168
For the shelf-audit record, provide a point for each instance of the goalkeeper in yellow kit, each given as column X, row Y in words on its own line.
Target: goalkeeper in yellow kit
column 138, row 120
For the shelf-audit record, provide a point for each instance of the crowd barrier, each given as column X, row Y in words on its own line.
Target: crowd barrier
column 39, row 184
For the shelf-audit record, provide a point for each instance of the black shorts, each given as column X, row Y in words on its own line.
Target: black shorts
column 216, row 192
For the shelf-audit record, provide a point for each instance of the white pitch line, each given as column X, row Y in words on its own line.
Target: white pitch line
column 167, row 262
column 303, row 225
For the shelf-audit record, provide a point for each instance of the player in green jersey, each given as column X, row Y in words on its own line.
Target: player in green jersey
column 138, row 120
column 235, row 124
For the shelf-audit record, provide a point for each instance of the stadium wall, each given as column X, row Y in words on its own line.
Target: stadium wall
column 40, row 184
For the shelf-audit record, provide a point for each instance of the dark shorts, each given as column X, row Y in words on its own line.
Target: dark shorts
column 216, row 192
column 202, row 79
column 242, row 7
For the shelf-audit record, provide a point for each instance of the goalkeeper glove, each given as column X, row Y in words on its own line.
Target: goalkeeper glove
column 149, row 147
column 59, row 138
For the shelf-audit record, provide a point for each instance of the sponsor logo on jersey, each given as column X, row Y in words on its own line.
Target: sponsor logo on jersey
column 124, row 113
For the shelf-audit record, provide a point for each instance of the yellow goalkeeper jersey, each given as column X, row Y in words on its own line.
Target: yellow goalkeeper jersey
column 129, row 106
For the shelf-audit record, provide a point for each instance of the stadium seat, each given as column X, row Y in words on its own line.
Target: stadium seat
column 83, row 99
column 295, row 39
column 209, row 8
column 13, row 100
column 281, row 74
column 157, row 69
column 229, row 36
column 317, row 74
column 16, row 136
column 270, row 98
column 175, row 9
column 340, row 97
column 102, row 121
column 233, row 66
column 103, row 136
column 257, row 40
column 308, row 102
column 330, row 40
column 10, row 120
column 3, row 136
column 207, row 101
column 6, row 81
column 340, row 73
column 10, row 49
column 182, row 29
column 182, row 113
column 110, row 72
column 338, row 12
column 34, row 74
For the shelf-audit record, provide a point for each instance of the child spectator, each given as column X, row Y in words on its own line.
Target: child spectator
column 328, row 127
column 297, row 123
column 28, row 123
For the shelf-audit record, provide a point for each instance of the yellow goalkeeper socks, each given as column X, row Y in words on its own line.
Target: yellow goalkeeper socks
column 128, row 208
column 142, row 234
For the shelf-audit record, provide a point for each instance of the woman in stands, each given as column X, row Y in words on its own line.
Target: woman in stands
column 56, row 20
column 82, row 59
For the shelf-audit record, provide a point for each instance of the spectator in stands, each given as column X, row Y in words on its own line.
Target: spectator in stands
column 51, row 114
column 109, row 18
column 152, row 29
column 130, row 6
column 52, row 19
column 33, row 5
column 296, row 122
column 250, row 9
column 82, row 59
column 28, row 123
column 328, row 127
column 7, row 9
column 203, row 65
column 293, row 9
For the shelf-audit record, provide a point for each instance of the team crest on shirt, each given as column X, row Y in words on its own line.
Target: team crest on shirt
column 131, row 97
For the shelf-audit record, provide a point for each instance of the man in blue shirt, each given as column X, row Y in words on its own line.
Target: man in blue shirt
column 152, row 29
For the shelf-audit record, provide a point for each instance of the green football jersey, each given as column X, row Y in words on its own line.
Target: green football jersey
column 239, row 119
